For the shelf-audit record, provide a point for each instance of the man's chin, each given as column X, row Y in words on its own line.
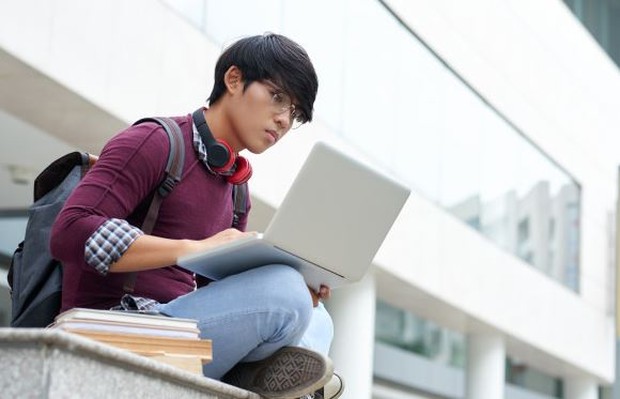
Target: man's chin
column 258, row 149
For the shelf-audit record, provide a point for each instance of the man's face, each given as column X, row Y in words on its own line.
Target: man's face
column 261, row 115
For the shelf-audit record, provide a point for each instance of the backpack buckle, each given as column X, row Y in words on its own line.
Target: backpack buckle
column 166, row 186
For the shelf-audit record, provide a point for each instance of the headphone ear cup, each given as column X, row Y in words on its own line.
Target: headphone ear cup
column 221, row 154
column 243, row 172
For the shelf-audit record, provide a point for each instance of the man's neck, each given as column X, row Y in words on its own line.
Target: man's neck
column 221, row 127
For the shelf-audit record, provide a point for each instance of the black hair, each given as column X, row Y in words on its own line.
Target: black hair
column 270, row 57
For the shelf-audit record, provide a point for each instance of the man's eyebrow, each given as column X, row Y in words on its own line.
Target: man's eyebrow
column 279, row 88
column 275, row 86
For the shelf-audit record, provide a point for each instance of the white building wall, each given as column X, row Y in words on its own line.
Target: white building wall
column 129, row 58
column 137, row 58
column 541, row 69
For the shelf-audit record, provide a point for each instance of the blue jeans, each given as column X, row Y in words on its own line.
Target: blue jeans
column 250, row 315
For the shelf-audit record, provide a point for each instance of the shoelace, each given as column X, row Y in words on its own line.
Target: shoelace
column 316, row 395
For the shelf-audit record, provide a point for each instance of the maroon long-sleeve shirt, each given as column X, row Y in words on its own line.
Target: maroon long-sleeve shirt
column 129, row 169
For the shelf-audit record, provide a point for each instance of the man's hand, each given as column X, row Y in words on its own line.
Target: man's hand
column 324, row 293
column 220, row 238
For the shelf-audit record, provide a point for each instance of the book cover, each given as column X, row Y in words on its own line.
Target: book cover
column 119, row 327
column 125, row 317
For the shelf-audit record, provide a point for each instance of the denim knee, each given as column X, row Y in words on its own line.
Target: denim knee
column 283, row 285
column 284, row 288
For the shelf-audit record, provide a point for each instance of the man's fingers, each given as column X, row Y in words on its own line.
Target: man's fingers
column 314, row 296
column 325, row 292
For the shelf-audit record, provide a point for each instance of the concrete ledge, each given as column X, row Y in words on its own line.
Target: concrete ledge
column 56, row 364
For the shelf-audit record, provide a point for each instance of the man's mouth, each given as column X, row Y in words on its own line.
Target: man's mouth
column 273, row 134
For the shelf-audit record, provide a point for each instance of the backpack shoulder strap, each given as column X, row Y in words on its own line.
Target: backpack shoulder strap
column 240, row 202
column 173, row 172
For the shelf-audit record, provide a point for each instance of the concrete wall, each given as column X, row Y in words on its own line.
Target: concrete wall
column 55, row 364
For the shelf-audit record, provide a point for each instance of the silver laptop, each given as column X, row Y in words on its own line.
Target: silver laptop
column 329, row 226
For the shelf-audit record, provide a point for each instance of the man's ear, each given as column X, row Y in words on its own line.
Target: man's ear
column 233, row 79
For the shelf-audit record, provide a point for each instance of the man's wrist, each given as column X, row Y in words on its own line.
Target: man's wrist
column 187, row 246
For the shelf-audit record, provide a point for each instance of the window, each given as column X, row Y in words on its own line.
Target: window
column 602, row 19
column 405, row 330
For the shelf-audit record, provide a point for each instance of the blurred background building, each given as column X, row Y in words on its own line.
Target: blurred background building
column 497, row 279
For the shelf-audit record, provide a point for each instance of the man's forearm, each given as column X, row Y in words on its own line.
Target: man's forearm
column 151, row 252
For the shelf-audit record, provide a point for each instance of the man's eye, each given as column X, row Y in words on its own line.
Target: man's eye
column 277, row 98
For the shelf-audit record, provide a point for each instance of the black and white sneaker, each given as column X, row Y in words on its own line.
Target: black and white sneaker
column 332, row 390
column 289, row 373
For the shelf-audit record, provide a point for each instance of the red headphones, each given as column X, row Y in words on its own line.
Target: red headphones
column 220, row 157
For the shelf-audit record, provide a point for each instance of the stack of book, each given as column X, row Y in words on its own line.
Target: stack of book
column 169, row 340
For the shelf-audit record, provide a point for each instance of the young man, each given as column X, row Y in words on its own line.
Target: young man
column 260, row 321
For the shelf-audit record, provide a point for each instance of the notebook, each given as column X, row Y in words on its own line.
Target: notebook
column 329, row 226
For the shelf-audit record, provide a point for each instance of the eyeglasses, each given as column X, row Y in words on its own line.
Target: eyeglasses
column 282, row 102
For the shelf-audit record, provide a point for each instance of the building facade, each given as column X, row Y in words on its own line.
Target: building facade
column 496, row 279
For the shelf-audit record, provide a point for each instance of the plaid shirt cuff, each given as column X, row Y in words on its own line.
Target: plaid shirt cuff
column 130, row 303
column 109, row 243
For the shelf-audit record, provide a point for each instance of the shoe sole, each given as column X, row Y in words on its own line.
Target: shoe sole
column 340, row 391
column 290, row 373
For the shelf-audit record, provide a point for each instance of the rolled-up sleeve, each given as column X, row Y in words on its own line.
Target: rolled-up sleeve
column 108, row 243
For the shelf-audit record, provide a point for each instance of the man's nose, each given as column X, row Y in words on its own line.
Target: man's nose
column 283, row 119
